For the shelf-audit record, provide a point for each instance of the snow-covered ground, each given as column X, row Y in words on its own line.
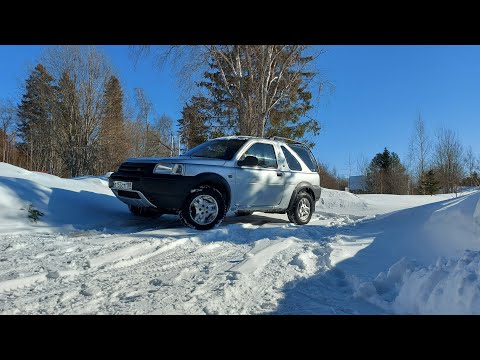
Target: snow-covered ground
column 366, row 254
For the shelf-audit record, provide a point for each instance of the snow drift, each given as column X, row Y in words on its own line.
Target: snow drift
column 447, row 287
column 419, row 284
column 82, row 203
column 340, row 202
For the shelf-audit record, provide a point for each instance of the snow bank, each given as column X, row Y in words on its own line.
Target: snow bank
column 455, row 227
column 452, row 231
column 346, row 203
column 447, row 287
column 81, row 203
column 340, row 202
column 385, row 203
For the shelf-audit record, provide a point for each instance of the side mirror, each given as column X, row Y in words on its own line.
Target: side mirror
column 248, row 161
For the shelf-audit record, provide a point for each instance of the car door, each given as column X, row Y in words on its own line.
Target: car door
column 261, row 185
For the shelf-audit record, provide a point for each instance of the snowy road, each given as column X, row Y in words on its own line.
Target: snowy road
column 348, row 260
column 237, row 268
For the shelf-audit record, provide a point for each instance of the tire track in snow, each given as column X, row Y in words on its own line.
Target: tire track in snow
column 167, row 260
column 150, row 272
column 255, row 285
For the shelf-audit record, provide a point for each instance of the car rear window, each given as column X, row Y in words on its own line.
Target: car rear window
column 293, row 163
column 306, row 156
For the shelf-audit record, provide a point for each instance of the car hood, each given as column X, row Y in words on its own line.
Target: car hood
column 181, row 160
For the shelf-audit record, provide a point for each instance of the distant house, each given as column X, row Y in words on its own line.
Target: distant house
column 357, row 184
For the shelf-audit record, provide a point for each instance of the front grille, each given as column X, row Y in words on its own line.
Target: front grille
column 125, row 178
column 135, row 169
column 128, row 194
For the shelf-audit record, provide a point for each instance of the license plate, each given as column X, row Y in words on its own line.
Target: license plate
column 123, row 185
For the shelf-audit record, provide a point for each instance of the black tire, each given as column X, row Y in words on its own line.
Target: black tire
column 207, row 199
column 243, row 213
column 143, row 211
column 297, row 214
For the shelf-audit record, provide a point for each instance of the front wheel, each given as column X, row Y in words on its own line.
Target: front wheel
column 302, row 209
column 204, row 208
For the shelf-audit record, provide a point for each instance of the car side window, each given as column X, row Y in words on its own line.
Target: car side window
column 293, row 163
column 306, row 156
column 264, row 153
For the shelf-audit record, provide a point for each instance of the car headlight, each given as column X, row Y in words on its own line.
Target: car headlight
column 171, row 169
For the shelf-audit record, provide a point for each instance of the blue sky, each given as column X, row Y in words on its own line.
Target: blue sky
column 378, row 92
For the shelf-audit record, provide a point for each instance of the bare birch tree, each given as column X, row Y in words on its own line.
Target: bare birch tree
column 419, row 149
column 259, row 77
column 448, row 160
column 88, row 71
column 471, row 165
column 133, row 129
column 362, row 164
column 162, row 139
column 145, row 108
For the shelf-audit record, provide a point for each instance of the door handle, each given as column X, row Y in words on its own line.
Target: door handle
column 279, row 173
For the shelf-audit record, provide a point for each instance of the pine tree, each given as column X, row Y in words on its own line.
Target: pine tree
column 69, row 126
column 35, row 120
column 386, row 174
column 377, row 171
column 113, row 143
column 429, row 183
column 194, row 126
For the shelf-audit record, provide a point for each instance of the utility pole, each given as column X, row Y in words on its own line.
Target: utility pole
column 146, row 136
column 349, row 165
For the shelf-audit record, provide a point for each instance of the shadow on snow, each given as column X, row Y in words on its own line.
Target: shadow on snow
column 395, row 235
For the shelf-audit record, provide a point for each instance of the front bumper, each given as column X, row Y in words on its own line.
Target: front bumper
column 164, row 192
column 133, row 197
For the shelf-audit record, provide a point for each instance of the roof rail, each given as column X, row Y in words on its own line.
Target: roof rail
column 286, row 140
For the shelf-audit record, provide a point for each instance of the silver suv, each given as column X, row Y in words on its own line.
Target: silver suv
column 239, row 173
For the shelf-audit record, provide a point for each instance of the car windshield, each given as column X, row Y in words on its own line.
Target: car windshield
column 224, row 149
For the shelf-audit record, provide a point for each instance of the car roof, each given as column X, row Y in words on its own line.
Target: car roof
column 274, row 138
column 240, row 137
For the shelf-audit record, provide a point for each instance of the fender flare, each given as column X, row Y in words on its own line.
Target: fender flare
column 213, row 179
column 304, row 185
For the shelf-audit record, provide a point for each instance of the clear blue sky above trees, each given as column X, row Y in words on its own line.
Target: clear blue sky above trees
column 378, row 93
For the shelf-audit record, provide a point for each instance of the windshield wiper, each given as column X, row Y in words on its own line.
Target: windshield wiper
column 208, row 157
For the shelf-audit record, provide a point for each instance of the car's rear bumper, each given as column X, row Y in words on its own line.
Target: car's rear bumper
column 164, row 192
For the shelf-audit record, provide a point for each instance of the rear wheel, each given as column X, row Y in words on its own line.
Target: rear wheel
column 204, row 208
column 143, row 211
column 302, row 209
